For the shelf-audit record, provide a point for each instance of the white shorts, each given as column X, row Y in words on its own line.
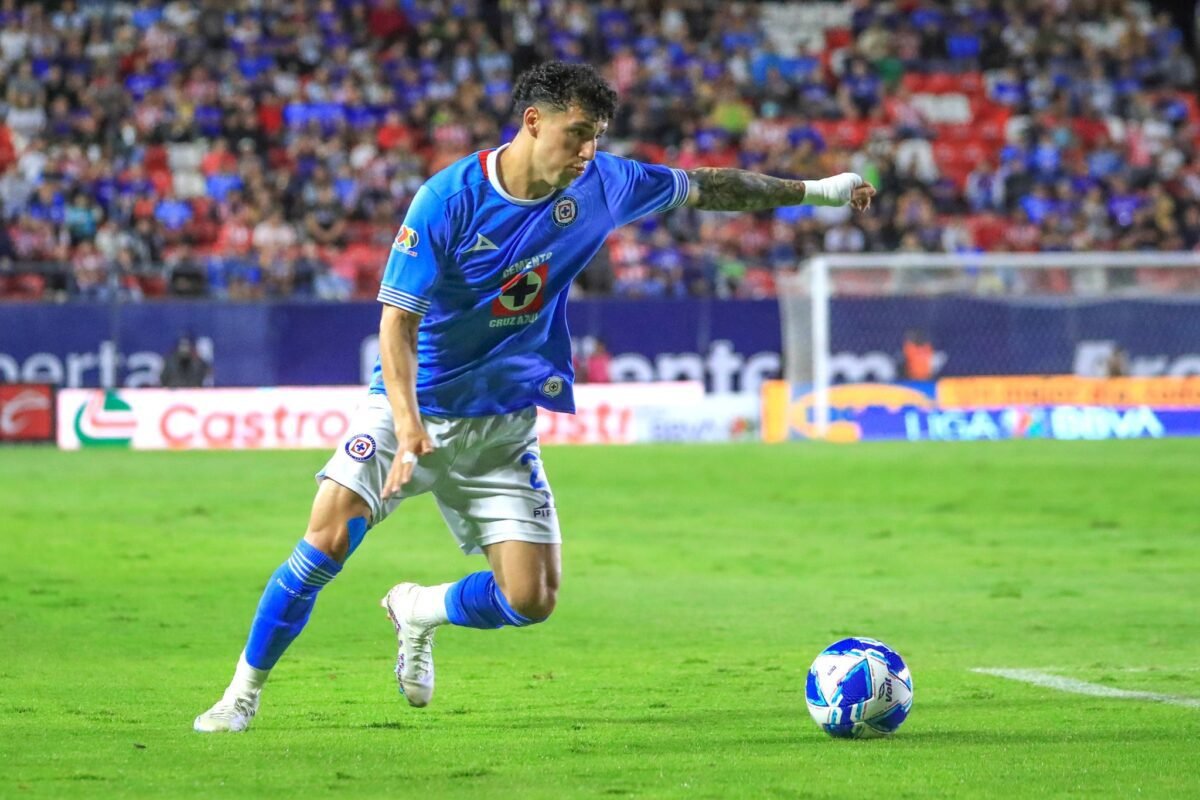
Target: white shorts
column 485, row 473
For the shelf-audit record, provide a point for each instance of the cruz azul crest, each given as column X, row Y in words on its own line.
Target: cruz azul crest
column 361, row 447
column 566, row 209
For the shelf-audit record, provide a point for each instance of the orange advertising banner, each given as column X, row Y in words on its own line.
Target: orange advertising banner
column 1053, row 390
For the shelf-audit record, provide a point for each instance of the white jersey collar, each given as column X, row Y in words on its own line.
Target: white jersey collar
column 493, row 174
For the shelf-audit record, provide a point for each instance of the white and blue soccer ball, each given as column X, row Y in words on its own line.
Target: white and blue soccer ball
column 859, row 688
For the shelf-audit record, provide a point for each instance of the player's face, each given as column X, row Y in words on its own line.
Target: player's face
column 567, row 141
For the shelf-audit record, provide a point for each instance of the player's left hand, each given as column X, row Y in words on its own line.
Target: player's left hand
column 860, row 198
column 413, row 442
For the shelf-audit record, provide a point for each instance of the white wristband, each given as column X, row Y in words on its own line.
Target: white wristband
column 835, row 191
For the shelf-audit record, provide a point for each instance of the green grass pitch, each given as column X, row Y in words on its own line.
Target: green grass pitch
column 699, row 584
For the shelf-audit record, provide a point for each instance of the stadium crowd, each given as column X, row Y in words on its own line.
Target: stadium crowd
column 268, row 148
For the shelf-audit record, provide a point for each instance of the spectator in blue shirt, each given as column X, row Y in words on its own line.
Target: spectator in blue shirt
column 173, row 213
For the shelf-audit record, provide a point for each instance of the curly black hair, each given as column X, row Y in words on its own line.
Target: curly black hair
column 560, row 85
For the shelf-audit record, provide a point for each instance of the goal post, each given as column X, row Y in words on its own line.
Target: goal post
column 846, row 318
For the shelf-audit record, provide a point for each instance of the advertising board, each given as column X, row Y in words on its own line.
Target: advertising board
column 206, row 419
column 320, row 417
column 26, row 413
column 965, row 409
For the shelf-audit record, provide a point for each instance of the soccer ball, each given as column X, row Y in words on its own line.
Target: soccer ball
column 859, row 688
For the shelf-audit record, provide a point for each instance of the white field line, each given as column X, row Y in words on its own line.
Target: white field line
column 1165, row 670
column 1083, row 687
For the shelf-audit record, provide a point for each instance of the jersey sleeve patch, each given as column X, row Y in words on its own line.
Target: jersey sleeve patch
column 413, row 264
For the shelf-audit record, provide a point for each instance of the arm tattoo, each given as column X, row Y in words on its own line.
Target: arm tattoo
column 738, row 190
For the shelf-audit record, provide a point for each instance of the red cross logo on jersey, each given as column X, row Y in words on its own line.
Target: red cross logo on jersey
column 522, row 294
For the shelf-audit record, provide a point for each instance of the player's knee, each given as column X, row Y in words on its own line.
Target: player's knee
column 332, row 540
column 535, row 603
column 338, row 521
column 337, row 539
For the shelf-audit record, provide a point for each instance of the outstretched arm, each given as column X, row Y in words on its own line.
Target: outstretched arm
column 715, row 189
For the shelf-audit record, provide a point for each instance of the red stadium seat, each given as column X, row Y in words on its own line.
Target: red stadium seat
column 22, row 286
column 155, row 158
column 971, row 83
column 8, row 153
column 836, row 38
column 844, row 132
column 975, row 150
column 913, row 81
column 1193, row 105
column 953, row 133
column 956, row 159
column 987, row 230
column 161, row 178
column 153, row 286
column 277, row 158
column 652, row 152
column 362, row 264
column 990, row 123
column 941, row 83
column 945, row 152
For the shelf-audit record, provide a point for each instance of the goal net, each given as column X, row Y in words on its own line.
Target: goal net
column 886, row 318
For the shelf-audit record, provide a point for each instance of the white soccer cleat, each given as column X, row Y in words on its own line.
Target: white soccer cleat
column 231, row 714
column 414, row 662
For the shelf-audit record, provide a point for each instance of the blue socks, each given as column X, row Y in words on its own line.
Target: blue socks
column 287, row 603
column 477, row 602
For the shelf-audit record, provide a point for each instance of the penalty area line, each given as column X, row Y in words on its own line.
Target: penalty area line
column 1073, row 686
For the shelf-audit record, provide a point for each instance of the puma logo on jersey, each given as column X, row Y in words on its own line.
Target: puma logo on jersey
column 482, row 243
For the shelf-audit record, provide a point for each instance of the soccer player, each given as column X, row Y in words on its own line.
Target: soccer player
column 473, row 338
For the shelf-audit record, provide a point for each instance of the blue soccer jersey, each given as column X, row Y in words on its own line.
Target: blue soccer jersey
column 490, row 273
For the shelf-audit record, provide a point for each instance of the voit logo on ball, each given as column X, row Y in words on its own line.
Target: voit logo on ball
column 105, row 420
